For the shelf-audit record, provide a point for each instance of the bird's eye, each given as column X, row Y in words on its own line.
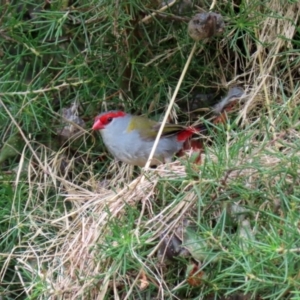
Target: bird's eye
column 109, row 119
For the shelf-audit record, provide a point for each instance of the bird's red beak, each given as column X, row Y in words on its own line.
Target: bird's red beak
column 98, row 124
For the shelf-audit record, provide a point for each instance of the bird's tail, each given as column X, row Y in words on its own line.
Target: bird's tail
column 218, row 113
column 226, row 103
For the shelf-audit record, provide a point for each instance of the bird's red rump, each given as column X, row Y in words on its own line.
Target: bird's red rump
column 185, row 134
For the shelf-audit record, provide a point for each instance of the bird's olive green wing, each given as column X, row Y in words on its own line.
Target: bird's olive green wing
column 148, row 129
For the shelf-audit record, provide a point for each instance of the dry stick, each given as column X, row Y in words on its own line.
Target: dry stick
column 145, row 19
column 172, row 100
column 170, row 107
column 213, row 4
column 40, row 91
column 160, row 132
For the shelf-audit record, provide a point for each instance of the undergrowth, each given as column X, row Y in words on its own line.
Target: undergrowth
column 75, row 224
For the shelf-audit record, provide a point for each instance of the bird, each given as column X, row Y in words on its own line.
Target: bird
column 130, row 138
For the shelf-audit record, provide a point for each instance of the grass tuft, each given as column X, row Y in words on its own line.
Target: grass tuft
column 75, row 224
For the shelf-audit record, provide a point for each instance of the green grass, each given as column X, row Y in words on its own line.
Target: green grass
column 74, row 224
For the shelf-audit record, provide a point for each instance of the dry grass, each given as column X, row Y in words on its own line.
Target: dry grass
column 70, row 264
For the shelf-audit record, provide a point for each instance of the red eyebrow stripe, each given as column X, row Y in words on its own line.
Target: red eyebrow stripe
column 111, row 114
column 114, row 114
